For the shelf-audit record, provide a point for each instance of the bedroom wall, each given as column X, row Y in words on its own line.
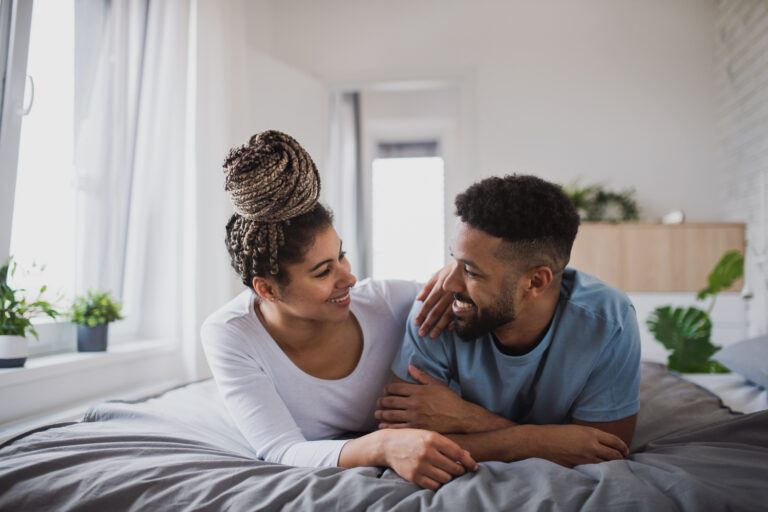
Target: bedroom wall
column 741, row 57
column 614, row 91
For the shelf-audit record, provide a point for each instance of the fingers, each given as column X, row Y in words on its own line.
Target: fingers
column 425, row 292
column 392, row 416
column 449, row 466
column 427, row 483
column 436, row 474
column 613, row 442
column 392, row 402
column 421, row 376
column 384, row 425
column 440, row 306
column 401, row 389
column 444, row 322
column 455, row 452
column 607, row 453
column 430, row 311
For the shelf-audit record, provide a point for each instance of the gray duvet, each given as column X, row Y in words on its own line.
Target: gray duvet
column 180, row 451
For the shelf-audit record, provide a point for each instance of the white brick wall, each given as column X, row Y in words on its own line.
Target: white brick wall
column 741, row 66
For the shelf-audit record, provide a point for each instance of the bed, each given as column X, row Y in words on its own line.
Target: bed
column 180, row 451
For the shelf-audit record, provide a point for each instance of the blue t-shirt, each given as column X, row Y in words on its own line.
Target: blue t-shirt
column 587, row 366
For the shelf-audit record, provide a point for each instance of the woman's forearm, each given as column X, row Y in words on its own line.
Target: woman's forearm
column 368, row 450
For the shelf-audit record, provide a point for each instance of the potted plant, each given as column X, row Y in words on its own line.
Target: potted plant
column 15, row 319
column 686, row 332
column 92, row 313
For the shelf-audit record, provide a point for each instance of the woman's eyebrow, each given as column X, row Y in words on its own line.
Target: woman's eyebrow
column 329, row 260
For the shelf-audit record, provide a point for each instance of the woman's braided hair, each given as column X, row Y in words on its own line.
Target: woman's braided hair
column 273, row 185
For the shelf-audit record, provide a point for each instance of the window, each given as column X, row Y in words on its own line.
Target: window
column 408, row 219
column 43, row 229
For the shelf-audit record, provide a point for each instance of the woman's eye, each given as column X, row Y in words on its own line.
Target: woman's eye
column 342, row 254
column 324, row 273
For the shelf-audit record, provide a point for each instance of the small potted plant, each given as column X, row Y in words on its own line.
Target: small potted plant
column 92, row 313
column 15, row 319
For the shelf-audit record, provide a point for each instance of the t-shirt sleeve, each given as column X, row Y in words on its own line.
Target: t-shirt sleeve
column 255, row 406
column 612, row 391
column 399, row 296
column 429, row 355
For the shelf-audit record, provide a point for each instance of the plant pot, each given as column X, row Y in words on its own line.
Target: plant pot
column 13, row 351
column 92, row 339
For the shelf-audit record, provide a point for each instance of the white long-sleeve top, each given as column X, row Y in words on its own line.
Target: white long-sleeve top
column 288, row 416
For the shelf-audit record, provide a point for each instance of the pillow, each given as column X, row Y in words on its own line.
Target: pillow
column 748, row 358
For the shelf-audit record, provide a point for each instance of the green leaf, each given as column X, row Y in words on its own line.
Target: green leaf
column 672, row 326
column 727, row 271
column 685, row 332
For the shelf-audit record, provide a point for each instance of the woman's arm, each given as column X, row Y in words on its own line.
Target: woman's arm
column 255, row 406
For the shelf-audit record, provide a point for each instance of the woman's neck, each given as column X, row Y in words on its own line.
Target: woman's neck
column 291, row 332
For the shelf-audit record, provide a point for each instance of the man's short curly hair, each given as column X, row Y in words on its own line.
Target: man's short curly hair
column 534, row 217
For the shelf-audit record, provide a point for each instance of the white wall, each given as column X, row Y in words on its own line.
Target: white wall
column 742, row 86
column 240, row 91
column 619, row 91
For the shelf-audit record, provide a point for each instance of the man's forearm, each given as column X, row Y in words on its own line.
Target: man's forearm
column 480, row 420
column 506, row 444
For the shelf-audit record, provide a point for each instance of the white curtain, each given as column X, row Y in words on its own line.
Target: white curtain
column 130, row 156
column 342, row 183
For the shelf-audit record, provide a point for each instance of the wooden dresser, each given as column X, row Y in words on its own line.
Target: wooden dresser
column 640, row 257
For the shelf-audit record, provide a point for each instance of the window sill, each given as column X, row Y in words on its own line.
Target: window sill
column 43, row 367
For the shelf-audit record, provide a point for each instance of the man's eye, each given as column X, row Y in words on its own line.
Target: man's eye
column 469, row 273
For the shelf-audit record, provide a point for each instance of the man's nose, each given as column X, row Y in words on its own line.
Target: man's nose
column 454, row 283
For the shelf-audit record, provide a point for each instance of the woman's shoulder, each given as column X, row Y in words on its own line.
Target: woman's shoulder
column 231, row 321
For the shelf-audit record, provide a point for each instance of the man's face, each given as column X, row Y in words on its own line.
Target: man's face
column 483, row 285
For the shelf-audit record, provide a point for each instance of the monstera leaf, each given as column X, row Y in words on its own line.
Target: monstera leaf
column 729, row 269
column 685, row 332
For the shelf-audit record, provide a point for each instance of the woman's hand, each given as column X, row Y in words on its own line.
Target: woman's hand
column 435, row 314
column 425, row 458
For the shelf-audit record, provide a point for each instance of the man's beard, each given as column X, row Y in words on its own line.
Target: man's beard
column 486, row 320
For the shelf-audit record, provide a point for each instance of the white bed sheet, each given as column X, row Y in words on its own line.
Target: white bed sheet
column 734, row 390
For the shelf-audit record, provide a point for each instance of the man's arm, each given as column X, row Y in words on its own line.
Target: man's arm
column 434, row 406
column 624, row 429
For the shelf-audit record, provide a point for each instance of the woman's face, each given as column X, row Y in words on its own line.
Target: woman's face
column 318, row 287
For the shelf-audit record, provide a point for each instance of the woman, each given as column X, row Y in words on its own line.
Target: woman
column 302, row 354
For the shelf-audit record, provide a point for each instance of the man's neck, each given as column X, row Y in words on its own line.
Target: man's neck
column 529, row 328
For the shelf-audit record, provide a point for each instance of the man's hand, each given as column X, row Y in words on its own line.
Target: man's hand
column 433, row 406
column 435, row 314
column 571, row 445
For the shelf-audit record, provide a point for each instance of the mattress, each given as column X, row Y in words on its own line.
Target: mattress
column 181, row 451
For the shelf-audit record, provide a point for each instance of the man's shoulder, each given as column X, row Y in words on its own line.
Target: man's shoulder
column 592, row 299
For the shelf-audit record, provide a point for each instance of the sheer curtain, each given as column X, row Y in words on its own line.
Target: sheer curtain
column 342, row 183
column 130, row 158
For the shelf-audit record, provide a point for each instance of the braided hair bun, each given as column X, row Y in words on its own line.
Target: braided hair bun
column 270, row 181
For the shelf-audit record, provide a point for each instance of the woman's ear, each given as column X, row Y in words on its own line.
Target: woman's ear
column 265, row 289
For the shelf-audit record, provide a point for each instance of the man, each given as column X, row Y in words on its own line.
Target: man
column 542, row 360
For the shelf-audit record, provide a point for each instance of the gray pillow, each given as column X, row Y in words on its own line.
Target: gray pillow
column 748, row 358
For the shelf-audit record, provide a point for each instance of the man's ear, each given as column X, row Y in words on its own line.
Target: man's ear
column 541, row 278
column 265, row 289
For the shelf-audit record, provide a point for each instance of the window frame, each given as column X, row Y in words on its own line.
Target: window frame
column 16, row 19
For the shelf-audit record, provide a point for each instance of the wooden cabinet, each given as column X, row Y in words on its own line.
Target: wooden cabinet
column 637, row 257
